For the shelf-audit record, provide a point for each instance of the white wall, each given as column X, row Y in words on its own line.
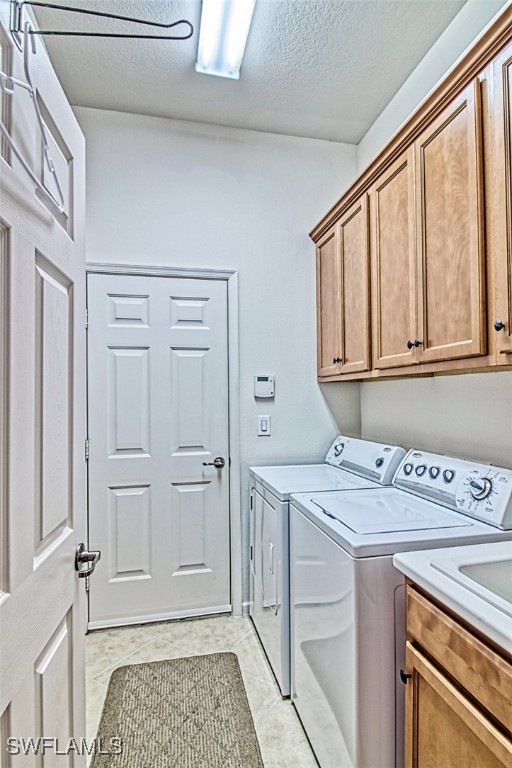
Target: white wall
column 459, row 34
column 468, row 415
column 162, row 192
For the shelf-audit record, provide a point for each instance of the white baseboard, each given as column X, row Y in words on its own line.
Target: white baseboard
column 147, row 619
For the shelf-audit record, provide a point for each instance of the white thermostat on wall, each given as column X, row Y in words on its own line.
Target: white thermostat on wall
column 264, row 386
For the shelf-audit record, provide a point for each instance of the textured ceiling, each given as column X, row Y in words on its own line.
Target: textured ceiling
column 318, row 68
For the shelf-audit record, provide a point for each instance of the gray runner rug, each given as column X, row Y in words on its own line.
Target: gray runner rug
column 182, row 713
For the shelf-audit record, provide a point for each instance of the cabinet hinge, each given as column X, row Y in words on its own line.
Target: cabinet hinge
column 87, row 450
column 86, row 318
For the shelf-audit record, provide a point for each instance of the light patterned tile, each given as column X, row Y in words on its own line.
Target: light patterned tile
column 96, row 693
column 253, row 661
column 210, row 635
column 282, row 740
column 107, row 646
column 154, row 650
column 261, row 695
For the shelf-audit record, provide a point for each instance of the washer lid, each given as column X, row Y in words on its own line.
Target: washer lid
column 368, row 514
column 298, row 478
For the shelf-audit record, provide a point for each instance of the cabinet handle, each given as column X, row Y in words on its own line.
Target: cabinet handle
column 336, row 360
column 415, row 343
column 499, row 325
column 410, row 344
column 404, row 677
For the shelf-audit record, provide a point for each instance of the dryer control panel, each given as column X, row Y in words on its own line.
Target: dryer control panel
column 480, row 491
column 375, row 461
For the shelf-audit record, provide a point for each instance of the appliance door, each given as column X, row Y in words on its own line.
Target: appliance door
column 323, row 642
column 343, row 650
column 268, row 587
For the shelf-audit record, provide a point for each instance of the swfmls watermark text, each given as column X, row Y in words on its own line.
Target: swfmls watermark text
column 43, row 745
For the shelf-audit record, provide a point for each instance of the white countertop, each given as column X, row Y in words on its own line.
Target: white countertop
column 437, row 572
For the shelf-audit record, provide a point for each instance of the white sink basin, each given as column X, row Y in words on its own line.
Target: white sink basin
column 474, row 581
column 496, row 577
column 483, row 571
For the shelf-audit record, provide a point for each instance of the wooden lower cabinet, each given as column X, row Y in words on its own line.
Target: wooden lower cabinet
column 444, row 729
column 458, row 710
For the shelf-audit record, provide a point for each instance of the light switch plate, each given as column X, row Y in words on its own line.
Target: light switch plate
column 264, row 429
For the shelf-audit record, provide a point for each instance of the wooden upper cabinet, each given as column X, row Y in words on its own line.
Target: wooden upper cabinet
column 435, row 205
column 355, row 288
column 342, row 262
column 393, row 259
column 328, row 300
column 501, row 323
column 450, row 246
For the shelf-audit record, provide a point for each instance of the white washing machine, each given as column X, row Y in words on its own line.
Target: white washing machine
column 347, row 625
column 350, row 464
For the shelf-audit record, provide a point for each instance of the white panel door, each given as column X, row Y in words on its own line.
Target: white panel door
column 42, row 422
column 158, row 412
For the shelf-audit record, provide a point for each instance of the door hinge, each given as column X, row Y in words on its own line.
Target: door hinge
column 86, row 318
column 87, row 450
column 252, row 497
column 251, row 551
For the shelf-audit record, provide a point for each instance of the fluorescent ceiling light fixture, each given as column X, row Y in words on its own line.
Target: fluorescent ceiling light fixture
column 223, row 35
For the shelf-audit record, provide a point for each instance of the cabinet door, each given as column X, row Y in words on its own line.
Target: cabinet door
column 355, row 288
column 502, row 113
column 450, row 232
column 443, row 728
column 328, row 302
column 393, row 257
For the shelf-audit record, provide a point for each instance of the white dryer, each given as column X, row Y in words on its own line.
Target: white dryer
column 347, row 626
column 350, row 464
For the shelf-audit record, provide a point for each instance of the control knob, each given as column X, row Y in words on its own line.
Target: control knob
column 448, row 475
column 481, row 488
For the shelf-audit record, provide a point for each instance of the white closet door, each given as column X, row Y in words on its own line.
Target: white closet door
column 42, row 421
column 158, row 411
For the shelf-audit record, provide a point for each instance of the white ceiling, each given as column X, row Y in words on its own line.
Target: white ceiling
column 317, row 68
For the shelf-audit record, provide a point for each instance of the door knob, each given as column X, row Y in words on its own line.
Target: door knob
column 218, row 463
column 85, row 561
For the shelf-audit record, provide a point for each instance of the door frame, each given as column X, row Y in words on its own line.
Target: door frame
column 230, row 277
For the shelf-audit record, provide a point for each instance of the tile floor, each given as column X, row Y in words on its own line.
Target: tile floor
column 282, row 740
